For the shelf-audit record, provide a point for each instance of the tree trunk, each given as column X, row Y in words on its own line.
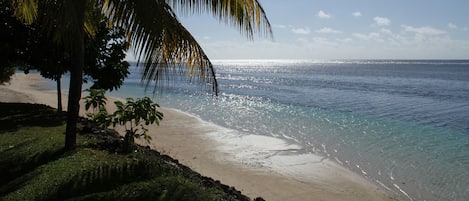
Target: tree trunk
column 76, row 77
column 59, row 94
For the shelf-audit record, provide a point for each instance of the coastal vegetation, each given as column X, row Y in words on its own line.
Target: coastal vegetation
column 132, row 114
column 35, row 166
column 101, row 165
column 30, row 48
column 157, row 37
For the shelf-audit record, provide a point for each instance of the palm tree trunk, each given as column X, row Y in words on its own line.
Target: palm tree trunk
column 76, row 78
column 59, row 93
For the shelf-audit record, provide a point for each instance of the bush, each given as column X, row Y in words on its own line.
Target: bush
column 97, row 101
column 134, row 115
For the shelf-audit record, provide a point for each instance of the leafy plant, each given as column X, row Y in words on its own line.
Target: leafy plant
column 134, row 115
column 97, row 100
column 102, row 118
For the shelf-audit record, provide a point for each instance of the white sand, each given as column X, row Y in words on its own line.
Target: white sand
column 256, row 165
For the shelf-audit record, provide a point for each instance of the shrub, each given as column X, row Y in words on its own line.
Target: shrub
column 97, row 100
column 134, row 115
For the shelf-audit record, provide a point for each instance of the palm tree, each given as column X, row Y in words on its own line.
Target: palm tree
column 157, row 37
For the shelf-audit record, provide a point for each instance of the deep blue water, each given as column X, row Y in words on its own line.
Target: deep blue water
column 401, row 124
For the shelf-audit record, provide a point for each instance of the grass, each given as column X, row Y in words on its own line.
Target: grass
column 33, row 165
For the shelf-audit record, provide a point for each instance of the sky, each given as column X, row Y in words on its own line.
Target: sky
column 344, row 29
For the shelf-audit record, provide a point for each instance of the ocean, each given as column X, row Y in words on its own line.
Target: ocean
column 402, row 124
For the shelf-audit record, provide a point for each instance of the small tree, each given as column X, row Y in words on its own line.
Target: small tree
column 97, row 101
column 134, row 115
column 31, row 47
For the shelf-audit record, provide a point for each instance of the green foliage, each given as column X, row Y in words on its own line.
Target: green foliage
column 137, row 112
column 97, row 101
column 158, row 37
column 105, row 54
column 35, row 167
column 15, row 115
column 161, row 189
column 102, row 118
column 69, row 173
column 134, row 115
column 5, row 73
column 31, row 47
column 12, row 41
column 25, row 149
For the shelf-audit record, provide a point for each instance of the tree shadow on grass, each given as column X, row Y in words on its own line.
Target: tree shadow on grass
column 25, row 152
column 12, row 169
column 22, row 157
column 17, row 115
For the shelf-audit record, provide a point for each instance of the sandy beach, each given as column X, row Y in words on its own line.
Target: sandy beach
column 257, row 166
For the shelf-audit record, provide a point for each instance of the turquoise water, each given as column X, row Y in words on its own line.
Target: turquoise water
column 402, row 124
column 424, row 162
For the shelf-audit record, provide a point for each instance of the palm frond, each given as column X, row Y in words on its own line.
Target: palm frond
column 247, row 15
column 25, row 10
column 63, row 19
column 93, row 16
column 160, row 40
column 58, row 18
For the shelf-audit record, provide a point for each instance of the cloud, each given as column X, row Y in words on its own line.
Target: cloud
column 345, row 40
column 370, row 36
column 386, row 31
column 357, row 14
column 302, row 40
column 382, row 21
column 360, row 36
column 327, row 30
column 303, row 31
column 323, row 42
column 340, row 48
column 452, row 26
column 429, row 31
column 323, row 15
column 280, row 26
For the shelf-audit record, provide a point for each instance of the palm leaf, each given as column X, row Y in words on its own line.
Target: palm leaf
column 160, row 41
column 25, row 10
column 247, row 15
column 58, row 18
column 62, row 20
column 158, row 38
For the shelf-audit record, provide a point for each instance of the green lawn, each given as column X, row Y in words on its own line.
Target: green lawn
column 33, row 165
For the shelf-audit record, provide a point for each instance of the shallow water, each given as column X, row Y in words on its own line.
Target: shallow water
column 401, row 124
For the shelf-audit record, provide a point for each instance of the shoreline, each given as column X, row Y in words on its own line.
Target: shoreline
column 273, row 169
